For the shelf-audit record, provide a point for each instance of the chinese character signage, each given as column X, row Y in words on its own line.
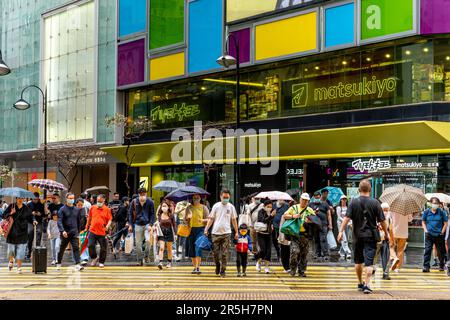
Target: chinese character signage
column 371, row 165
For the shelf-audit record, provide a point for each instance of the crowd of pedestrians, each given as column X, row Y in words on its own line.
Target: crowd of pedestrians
column 368, row 232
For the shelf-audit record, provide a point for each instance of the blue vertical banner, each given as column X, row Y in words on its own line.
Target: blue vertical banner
column 340, row 25
column 132, row 17
column 205, row 34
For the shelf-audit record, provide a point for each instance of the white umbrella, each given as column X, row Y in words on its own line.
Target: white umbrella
column 274, row 195
column 404, row 199
column 444, row 198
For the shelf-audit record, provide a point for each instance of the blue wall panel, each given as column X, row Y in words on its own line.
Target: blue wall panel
column 205, row 34
column 132, row 16
column 340, row 25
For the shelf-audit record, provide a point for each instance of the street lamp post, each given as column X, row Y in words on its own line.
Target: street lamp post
column 22, row 105
column 4, row 69
column 227, row 61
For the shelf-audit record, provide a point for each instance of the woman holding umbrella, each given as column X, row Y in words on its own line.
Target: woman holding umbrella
column 196, row 217
column 18, row 235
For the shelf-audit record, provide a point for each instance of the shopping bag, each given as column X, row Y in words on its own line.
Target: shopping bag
column 331, row 240
column 5, row 226
column 291, row 228
column 84, row 236
column 245, row 219
column 203, row 243
column 184, row 230
column 129, row 243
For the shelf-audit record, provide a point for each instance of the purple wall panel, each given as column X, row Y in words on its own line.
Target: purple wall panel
column 131, row 63
column 434, row 16
column 243, row 36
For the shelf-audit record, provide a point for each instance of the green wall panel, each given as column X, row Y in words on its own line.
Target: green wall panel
column 166, row 23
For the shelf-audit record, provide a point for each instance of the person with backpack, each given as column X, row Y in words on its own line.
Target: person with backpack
column 299, row 244
column 263, row 227
column 434, row 224
column 121, row 220
column 17, row 238
column 252, row 210
column 243, row 246
column 196, row 216
column 280, row 208
column 365, row 213
column 141, row 217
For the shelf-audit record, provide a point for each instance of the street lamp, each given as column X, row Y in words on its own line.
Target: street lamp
column 227, row 61
column 4, row 69
column 23, row 105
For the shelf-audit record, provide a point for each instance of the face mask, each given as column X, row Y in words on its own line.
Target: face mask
column 243, row 233
column 316, row 200
column 226, row 200
column 434, row 206
column 164, row 209
column 99, row 204
column 257, row 201
column 142, row 198
column 70, row 201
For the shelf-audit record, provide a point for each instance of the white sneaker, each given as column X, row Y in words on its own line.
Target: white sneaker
column 169, row 265
column 58, row 267
column 258, row 266
column 397, row 270
column 267, row 270
column 287, row 271
column 101, row 265
column 19, row 270
column 53, row 262
column 94, row 262
column 79, row 267
column 178, row 258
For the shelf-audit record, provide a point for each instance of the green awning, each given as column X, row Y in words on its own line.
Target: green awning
column 395, row 139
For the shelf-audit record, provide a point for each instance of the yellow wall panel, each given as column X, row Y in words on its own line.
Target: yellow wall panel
column 287, row 36
column 167, row 66
column 240, row 9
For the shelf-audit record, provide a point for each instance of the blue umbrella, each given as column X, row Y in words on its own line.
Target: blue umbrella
column 334, row 194
column 184, row 193
column 167, row 186
column 16, row 193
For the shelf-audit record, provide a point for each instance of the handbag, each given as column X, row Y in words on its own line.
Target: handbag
column 331, row 240
column 184, row 230
column 129, row 243
column 6, row 225
column 291, row 227
column 375, row 232
column 203, row 243
column 260, row 227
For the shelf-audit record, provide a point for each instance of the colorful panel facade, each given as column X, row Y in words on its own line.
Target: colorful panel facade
column 131, row 63
column 286, row 37
column 166, row 23
column 167, row 66
column 205, row 34
column 434, row 16
column 381, row 18
column 243, row 39
column 132, row 17
column 340, row 25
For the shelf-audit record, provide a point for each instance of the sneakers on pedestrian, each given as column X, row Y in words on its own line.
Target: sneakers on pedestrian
column 194, row 271
column 84, row 263
column 395, row 264
column 436, row 263
column 239, row 275
column 10, row 266
column 361, row 286
column 374, row 270
column 160, row 266
column 217, row 269
column 326, row 258
column 367, row 290
column 19, row 270
column 245, row 274
column 94, row 262
column 222, row 274
column 292, row 273
column 397, row 270
column 287, row 271
column 266, row 270
column 302, row 275
column 441, row 269
column 169, row 265
column 258, row 266
column 53, row 262
column 58, row 267
column 426, row 270
column 177, row 258
column 386, row 276
column 101, row 265
column 79, row 267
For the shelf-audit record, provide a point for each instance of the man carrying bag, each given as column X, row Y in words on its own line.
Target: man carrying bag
column 295, row 231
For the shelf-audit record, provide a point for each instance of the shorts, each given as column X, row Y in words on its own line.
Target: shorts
column 168, row 235
column 17, row 251
column 364, row 250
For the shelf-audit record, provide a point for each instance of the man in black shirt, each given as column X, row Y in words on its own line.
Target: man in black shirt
column 364, row 212
column 121, row 220
column 56, row 204
column 322, row 210
column 38, row 211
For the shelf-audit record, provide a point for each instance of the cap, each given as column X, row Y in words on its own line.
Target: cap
column 243, row 226
column 385, row 205
column 305, row 196
column 343, row 197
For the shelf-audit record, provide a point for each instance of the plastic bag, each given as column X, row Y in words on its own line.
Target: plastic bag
column 129, row 243
column 331, row 240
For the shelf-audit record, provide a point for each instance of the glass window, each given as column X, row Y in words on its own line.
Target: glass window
column 69, row 72
column 166, row 23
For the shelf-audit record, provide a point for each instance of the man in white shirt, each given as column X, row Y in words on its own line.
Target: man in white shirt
column 400, row 226
column 222, row 215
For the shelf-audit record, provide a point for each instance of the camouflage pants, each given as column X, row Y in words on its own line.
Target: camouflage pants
column 221, row 245
column 299, row 253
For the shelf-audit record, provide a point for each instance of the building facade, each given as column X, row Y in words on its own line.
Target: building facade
column 67, row 48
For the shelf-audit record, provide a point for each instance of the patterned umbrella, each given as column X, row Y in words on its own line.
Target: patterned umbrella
column 334, row 194
column 47, row 184
column 404, row 199
column 444, row 198
column 274, row 195
column 16, row 193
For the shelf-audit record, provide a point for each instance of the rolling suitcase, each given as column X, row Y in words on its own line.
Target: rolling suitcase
column 39, row 256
